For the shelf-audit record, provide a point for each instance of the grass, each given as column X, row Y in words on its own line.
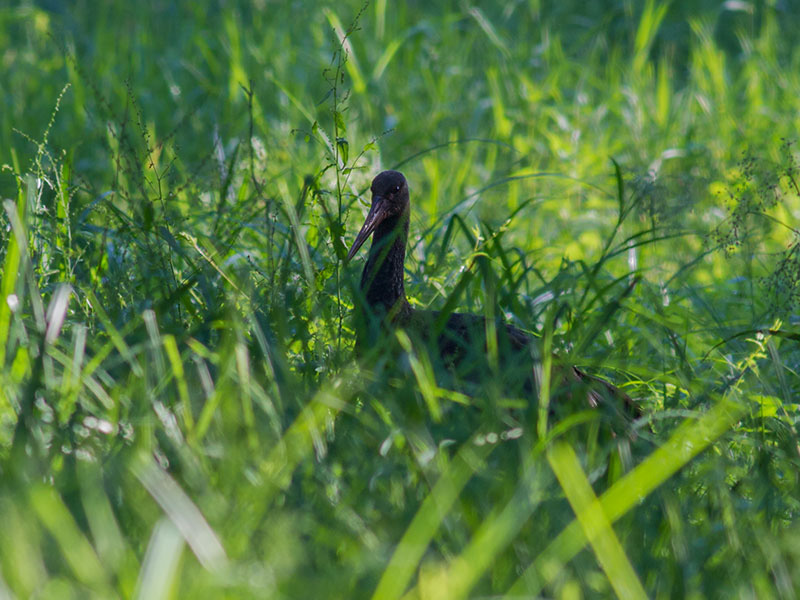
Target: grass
column 180, row 411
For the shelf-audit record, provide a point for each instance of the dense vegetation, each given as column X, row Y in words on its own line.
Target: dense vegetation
column 181, row 414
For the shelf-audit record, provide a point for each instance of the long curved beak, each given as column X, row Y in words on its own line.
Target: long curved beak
column 377, row 213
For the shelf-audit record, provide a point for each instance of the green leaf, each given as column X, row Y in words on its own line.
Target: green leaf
column 338, row 118
column 344, row 149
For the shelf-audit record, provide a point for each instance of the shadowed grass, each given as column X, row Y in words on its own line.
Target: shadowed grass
column 181, row 413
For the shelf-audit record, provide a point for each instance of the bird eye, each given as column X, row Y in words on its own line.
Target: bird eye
column 396, row 189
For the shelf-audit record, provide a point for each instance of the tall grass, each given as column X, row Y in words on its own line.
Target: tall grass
column 181, row 412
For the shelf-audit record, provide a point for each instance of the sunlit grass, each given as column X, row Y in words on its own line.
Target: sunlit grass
column 181, row 412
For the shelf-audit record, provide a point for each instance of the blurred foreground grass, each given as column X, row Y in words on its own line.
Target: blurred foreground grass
column 180, row 411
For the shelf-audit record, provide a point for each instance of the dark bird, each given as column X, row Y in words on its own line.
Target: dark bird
column 460, row 338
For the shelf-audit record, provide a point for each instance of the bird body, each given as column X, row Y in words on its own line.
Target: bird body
column 459, row 338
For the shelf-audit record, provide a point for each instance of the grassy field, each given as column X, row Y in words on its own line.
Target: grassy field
column 181, row 413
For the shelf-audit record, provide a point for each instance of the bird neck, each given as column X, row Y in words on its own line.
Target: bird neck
column 382, row 278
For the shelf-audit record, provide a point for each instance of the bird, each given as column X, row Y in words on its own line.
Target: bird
column 459, row 339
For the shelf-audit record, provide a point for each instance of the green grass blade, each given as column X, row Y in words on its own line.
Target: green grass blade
column 161, row 562
column 436, row 506
column 183, row 513
column 75, row 548
column 594, row 522
column 688, row 441
column 7, row 286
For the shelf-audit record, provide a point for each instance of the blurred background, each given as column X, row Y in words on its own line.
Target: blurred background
column 180, row 412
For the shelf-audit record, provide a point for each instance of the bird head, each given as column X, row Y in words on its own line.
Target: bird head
column 389, row 199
